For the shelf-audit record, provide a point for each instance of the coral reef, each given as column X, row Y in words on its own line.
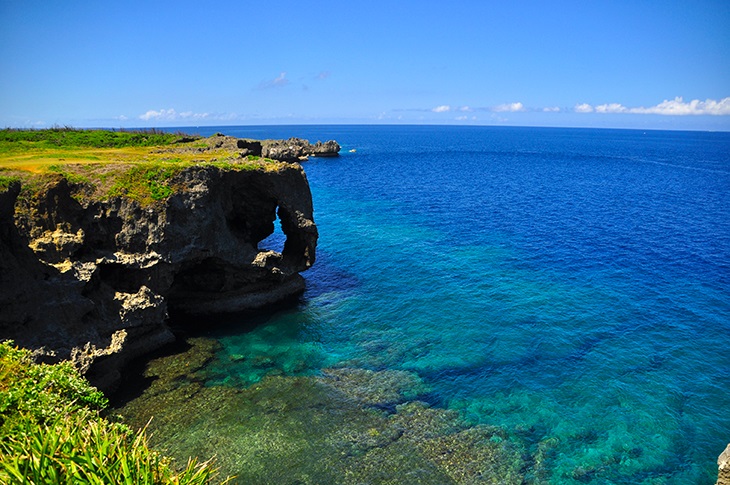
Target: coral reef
column 347, row 425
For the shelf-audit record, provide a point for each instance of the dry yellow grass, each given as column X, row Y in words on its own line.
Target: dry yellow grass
column 37, row 160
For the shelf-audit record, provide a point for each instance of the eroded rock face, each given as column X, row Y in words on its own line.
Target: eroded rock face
column 723, row 463
column 94, row 282
column 296, row 149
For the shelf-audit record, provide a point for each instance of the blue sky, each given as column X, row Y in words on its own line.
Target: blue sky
column 635, row 64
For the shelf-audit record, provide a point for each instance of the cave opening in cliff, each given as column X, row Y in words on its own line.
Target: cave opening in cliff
column 276, row 240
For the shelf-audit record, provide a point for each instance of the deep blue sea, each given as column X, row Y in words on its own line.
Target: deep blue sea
column 565, row 284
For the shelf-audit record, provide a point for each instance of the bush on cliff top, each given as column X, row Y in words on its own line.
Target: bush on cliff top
column 51, row 432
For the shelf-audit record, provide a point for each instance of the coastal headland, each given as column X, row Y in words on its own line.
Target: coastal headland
column 102, row 234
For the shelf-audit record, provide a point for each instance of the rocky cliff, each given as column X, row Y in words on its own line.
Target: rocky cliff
column 93, row 279
column 296, row 149
column 723, row 464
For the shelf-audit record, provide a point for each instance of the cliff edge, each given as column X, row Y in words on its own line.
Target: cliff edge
column 92, row 279
column 723, row 464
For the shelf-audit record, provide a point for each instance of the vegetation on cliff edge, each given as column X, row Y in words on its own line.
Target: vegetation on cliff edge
column 51, row 432
column 100, row 164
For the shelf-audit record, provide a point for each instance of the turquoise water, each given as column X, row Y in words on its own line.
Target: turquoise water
column 570, row 286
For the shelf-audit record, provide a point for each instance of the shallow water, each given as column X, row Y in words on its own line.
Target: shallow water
column 568, row 287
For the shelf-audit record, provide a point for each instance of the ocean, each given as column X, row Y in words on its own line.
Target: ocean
column 566, row 290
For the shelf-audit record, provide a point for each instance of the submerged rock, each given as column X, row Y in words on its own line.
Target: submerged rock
column 382, row 389
column 92, row 280
column 331, row 428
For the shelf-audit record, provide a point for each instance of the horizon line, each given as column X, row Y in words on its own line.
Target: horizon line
column 454, row 125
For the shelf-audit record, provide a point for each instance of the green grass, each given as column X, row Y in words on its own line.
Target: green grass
column 6, row 182
column 34, row 149
column 72, row 177
column 55, row 138
column 51, row 431
column 149, row 183
column 146, row 183
column 99, row 165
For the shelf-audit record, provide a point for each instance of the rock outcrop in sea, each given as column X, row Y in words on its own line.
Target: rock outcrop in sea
column 296, row 149
column 93, row 280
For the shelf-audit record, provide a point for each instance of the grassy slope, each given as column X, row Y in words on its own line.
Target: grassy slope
column 33, row 150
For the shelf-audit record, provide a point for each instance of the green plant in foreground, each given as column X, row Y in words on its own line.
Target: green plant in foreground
column 38, row 391
column 84, row 448
column 51, row 432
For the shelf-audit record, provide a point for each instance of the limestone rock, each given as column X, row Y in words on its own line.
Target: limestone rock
column 723, row 462
column 94, row 281
column 327, row 149
column 215, row 143
column 296, row 149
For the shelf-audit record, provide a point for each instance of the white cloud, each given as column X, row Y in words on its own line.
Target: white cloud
column 445, row 108
column 674, row 107
column 172, row 115
column 278, row 82
column 509, row 108
column 189, row 115
column 611, row 108
column 163, row 114
column 678, row 107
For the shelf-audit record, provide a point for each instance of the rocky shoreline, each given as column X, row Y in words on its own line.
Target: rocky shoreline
column 723, row 463
column 93, row 281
